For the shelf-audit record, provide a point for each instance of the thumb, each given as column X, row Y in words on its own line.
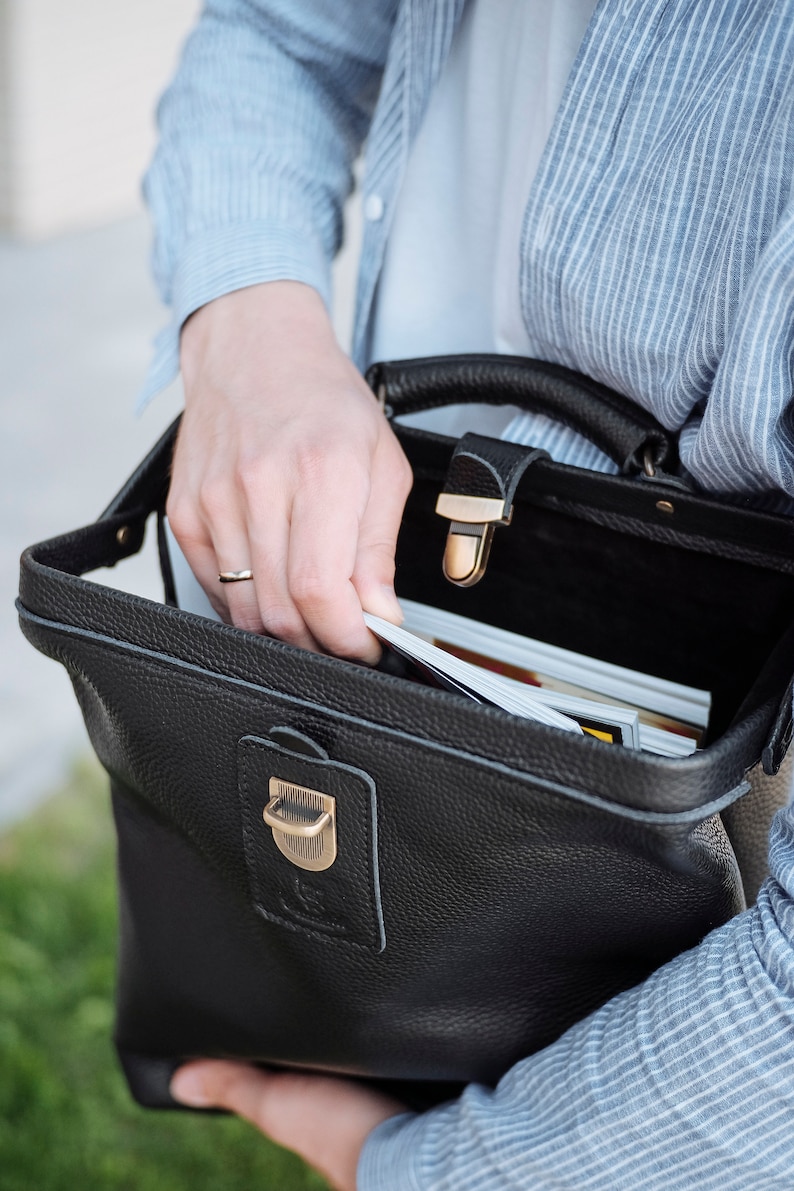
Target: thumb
column 375, row 594
column 324, row 1120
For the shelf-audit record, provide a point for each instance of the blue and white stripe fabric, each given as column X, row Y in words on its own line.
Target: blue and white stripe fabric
column 667, row 270
column 684, row 1082
column 657, row 256
column 658, row 245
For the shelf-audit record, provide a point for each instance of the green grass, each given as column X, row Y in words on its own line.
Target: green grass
column 66, row 1118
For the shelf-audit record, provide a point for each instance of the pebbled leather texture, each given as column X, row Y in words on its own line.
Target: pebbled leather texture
column 488, row 467
column 341, row 903
column 498, row 879
column 778, row 745
column 621, row 428
column 747, row 820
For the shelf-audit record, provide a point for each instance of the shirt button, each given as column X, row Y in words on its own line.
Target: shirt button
column 373, row 208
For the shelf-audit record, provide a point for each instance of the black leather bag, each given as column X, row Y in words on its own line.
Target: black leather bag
column 495, row 879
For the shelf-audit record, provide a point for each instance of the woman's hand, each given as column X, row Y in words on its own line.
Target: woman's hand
column 285, row 465
column 324, row 1120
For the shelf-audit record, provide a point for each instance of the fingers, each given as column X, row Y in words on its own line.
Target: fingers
column 324, row 1120
column 262, row 604
column 373, row 573
column 284, row 465
column 219, row 526
column 232, row 553
column 317, row 561
column 299, row 537
column 341, row 550
column 326, row 520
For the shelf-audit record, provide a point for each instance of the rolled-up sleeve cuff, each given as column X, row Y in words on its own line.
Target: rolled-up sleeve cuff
column 390, row 1158
column 220, row 260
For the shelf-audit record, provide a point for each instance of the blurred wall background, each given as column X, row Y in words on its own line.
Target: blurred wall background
column 78, row 84
column 79, row 80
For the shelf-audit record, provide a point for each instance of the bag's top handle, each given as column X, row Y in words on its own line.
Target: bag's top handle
column 51, row 587
column 628, row 434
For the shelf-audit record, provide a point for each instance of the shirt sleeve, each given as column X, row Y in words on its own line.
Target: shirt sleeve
column 258, row 134
column 685, row 1081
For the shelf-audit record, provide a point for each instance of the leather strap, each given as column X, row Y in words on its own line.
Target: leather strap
column 50, row 570
column 478, row 495
column 628, row 434
column 489, row 467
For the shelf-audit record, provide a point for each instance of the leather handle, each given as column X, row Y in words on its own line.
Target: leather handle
column 624, row 431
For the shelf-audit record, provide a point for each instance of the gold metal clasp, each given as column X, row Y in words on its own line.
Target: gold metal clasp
column 303, row 822
column 470, row 534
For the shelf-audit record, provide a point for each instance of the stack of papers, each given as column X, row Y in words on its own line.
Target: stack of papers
column 543, row 682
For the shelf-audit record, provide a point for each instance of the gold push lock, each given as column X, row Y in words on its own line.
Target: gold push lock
column 470, row 534
column 303, row 822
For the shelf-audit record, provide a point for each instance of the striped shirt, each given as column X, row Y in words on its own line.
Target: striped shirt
column 657, row 256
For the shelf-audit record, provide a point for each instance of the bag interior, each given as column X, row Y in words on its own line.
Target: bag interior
column 694, row 618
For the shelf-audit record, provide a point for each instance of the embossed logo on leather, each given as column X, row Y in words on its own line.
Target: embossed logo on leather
column 310, row 838
column 309, row 904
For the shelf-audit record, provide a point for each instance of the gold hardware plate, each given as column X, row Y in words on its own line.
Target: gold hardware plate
column 466, row 553
column 474, row 510
column 470, row 534
column 303, row 822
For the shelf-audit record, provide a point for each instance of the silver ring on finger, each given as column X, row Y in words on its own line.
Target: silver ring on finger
column 234, row 576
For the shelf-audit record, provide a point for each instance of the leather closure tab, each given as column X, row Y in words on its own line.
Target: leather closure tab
column 478, row 495
column 310, row 839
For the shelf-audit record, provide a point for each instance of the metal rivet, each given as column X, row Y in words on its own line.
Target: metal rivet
column 123, row 535
column 664, row 506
